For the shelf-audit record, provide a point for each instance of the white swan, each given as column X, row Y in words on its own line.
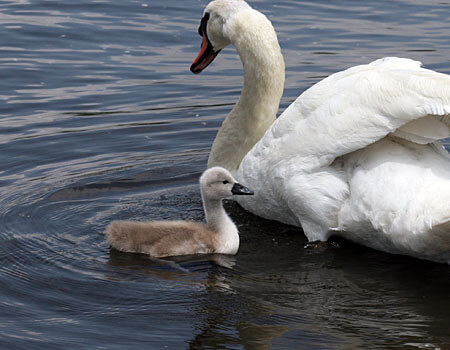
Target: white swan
column 170, row 238
column 356, row 155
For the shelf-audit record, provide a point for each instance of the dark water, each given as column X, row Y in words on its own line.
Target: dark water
column 100, row 119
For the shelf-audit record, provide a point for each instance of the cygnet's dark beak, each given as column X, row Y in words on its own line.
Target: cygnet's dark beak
column 238, row 189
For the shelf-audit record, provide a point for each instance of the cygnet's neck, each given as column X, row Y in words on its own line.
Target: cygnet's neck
column 217, row 220
column 256, row 42
column 216, row 217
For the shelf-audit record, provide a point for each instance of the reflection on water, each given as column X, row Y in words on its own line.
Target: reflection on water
column 100, row 119
column 304, row 296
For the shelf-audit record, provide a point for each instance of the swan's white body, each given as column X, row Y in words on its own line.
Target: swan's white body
column 356, row 155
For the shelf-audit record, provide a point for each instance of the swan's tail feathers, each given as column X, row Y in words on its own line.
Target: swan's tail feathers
column 428, row 129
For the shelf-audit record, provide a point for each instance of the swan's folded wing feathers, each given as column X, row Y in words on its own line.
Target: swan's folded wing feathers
column 354, row 108
column 424, row 130
column 343, row 113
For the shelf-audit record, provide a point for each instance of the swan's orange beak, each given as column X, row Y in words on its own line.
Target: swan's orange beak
column 205, row 56
column 207, row 53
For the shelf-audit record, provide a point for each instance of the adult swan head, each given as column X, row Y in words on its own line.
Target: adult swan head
column 234, row 22
column 356, row 155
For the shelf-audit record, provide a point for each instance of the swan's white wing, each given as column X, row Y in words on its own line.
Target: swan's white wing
column 343, row 113
column 354, row 108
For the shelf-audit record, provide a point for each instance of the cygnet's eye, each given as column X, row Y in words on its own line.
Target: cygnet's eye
column 225, row 182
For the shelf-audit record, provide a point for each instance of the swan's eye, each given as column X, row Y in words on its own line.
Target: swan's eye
column 225, row 182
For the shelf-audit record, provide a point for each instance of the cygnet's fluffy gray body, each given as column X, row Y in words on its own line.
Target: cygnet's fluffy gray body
column 171, row 238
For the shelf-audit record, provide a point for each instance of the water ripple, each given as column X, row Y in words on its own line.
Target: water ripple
column 102, row 120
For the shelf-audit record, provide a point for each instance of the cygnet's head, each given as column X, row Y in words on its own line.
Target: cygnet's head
column 217, row 183
column 215, row 30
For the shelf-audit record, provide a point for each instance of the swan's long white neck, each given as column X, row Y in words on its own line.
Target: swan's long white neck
column 254, row 38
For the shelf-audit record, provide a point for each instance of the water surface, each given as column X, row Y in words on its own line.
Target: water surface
column 100, row 119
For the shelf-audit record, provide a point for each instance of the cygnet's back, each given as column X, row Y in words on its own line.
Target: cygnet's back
column 170, row 238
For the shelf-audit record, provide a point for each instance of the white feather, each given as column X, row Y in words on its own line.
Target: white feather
column 357, row 154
